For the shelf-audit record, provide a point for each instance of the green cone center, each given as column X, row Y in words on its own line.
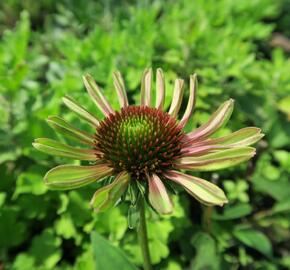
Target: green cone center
column 139, row 140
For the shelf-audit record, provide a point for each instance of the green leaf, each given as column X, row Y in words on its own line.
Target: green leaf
column 107, row 256
column 254, row 239
column 206, row 253
column 233, row 212
column 45, row 249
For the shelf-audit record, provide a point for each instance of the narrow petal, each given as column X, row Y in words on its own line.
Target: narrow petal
column 216, row 161
column 81, row 111
column 177, row 98
column 216, row 121
column 146, row 84
column 201, row 149
column 120, row 88
column 96, row 95
column 73, row 176
column 56, row 148
column 243, row 137
column 191, row 101
column 204, row 191
column 107, row 196
column 63, row 127
column 160, row 89
column 158, row 196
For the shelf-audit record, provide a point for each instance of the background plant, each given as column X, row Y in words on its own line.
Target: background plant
column 47, row 45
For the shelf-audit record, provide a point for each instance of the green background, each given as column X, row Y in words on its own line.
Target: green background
column 239, row 49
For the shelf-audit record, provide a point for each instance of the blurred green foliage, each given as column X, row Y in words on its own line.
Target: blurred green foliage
column 45, row 48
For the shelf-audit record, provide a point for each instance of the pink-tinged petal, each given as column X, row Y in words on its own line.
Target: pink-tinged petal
column 72, row 176
column 158, row 196
column 216, row 121
column 191, row 101
column 81, row 111
column 120, row 88
column 243, row 137
column 177, row 98
column 107, row 196
column 146, row 85
column 96, row 95
column 201, row 149
column 160, row 89
column 63, row 127
column 204, row 191
column 56, row 148
column 217, row 160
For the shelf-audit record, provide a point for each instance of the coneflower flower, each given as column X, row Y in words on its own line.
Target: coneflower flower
column 144, row 147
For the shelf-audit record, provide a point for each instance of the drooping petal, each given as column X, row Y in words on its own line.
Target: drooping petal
column 243, row 137
column 204, row 191
column 120, row 89
column 158, row 196
column 146, row 85
column 160, row 89
column 216, row 121
column 72, row 176
column 81, row 111
column 63, row 127
column 217, row 160
column 177, row 98
column 56, row 148
column 96, row 95
column 191, row 101
column 107, row 196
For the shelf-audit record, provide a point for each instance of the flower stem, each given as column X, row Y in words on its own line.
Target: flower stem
column 143, row 239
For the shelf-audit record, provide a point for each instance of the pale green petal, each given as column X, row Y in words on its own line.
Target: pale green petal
column 160, row 89
column 204, row 191
column 177, row 98
column 107, row 196
column 158, row 196
column 79, row 110
column 216, row 121
column 56, row 148
column 243, row 137
column 120, row 89
column 96, row 95
column 216, row 161
column 191, row 101
column 73, row 176
column 68, row 130
column 146, row 85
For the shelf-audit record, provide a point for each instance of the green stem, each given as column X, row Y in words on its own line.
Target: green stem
column 143, row 239
column 207, row 213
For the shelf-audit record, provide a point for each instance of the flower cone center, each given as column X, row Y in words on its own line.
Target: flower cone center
column 139, row 140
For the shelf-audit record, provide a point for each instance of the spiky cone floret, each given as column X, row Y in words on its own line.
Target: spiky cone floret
column 145, row 146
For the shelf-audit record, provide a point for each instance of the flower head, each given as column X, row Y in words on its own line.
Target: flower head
column 144, row 147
